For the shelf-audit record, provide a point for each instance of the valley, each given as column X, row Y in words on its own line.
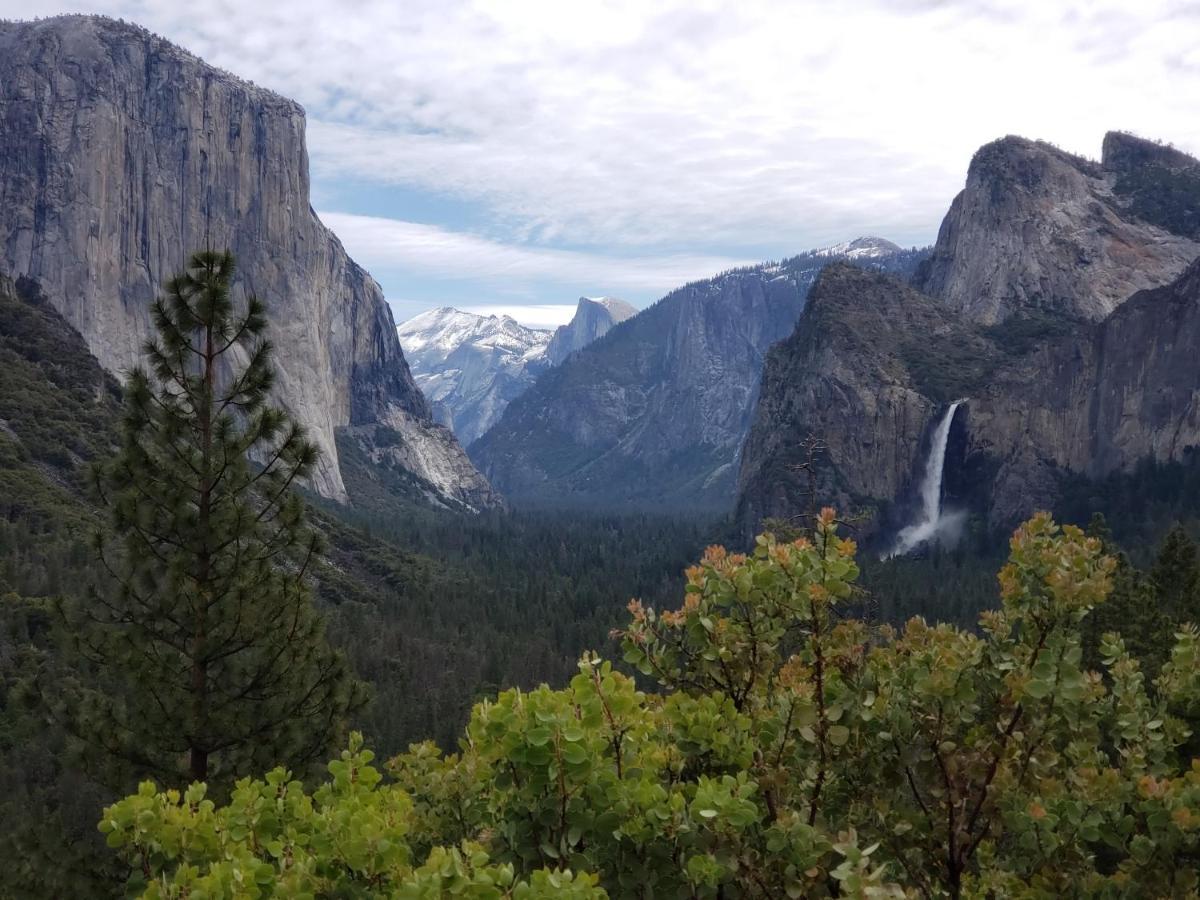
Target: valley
column 652, row 602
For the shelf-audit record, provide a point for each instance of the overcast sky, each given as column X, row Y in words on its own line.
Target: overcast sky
column 517, row 155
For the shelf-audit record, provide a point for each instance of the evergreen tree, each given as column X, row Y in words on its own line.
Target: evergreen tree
column 1176, row 576
column 1133, row 609
column 216, row 657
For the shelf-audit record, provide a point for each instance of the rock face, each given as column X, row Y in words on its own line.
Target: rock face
column 653, row 414
column 471, row 367
column 1040, row 230
column 873, row 365
column 851, row 375
column 120, row 154
column 1027, row 316
column 594, row 317
column 1094, row 400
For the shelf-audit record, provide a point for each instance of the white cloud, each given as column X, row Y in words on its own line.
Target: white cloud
column 692, row 123
column 430, row 250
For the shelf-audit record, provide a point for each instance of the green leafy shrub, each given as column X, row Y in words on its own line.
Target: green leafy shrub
column 790, row 753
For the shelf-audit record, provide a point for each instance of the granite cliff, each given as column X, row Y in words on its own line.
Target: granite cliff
column 121, row 153
column 1052, row 391
column 1039, row 230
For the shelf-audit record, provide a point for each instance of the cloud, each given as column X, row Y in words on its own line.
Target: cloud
column 745, row 128
column 429, row 250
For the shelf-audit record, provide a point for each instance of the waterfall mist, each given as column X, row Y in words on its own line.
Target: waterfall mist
column 933, row 523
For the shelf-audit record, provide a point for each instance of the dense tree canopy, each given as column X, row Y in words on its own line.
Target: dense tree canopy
column 788, row 752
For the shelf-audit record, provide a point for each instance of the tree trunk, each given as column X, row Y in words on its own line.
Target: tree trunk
column 199, row 753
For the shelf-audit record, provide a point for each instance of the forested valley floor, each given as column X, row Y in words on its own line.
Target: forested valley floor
column 434, row 610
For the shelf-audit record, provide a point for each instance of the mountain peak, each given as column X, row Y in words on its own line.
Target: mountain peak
column 866, row 247
column 593, row 318
column 1018, row 162
column 617, row 308
column 93, row 37
column 470, row 366
column 1037, row 228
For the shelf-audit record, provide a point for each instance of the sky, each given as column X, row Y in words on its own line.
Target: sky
column 512, row 156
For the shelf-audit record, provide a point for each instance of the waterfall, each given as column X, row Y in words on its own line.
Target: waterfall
column 932, row 521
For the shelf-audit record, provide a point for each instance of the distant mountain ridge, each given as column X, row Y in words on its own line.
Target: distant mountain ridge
column 470, row 366
column 653, row 414
column 863, row 248
column 120, row 154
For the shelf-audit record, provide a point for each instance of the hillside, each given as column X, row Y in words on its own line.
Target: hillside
column 1038, row 230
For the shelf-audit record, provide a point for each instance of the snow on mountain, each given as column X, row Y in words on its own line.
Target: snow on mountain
column 470, row 366
column 653, row 415
column 860, row 248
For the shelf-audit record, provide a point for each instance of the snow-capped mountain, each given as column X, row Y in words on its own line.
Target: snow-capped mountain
column 470, row 366
column 860, row 248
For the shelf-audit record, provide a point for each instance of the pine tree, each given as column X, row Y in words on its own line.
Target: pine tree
column 213, row 657
column 1131, row 610
column 1176, row 576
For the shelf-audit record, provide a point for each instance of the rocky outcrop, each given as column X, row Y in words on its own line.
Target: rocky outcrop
column 594, row 317
column 1039, row 230
column 471, row 367
column 1155, row 182
column 851, row 375
column 1099, row 399
column 120, row 154
column 873, row 364
column 653, row 414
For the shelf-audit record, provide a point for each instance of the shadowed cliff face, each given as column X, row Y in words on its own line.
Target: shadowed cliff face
column 873, row 363
column 120, row 154
column 1039, row 230
column 653, row 414
column 854, row 375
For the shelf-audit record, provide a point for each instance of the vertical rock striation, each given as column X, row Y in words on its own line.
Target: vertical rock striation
column 1027, row 312
column 120, row 154
column 872, row 362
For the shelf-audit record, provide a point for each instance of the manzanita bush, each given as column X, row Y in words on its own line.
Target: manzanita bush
column 791, row 752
